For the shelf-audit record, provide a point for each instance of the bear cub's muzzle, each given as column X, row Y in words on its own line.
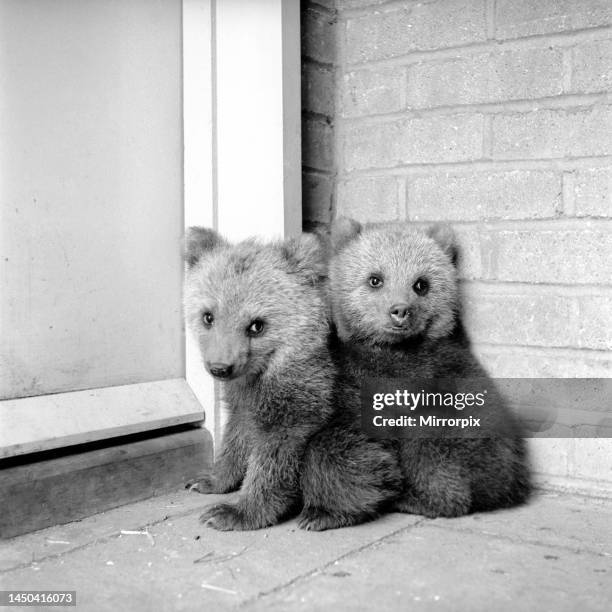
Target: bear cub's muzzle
column 399, row 314
column 220, row 370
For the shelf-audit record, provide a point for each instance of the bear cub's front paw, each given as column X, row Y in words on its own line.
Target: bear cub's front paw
column 206, row 484
column 319, row 519
column 231, row 517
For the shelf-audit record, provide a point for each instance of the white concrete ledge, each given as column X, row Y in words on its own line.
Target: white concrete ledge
column 34, row 424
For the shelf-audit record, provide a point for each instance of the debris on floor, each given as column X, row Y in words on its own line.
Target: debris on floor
column 554, row 553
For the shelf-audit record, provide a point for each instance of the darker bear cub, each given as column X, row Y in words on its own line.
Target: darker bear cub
column 260, row 319
column 395, row 304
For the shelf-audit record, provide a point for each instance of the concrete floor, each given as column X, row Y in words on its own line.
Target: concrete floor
column 554, row 554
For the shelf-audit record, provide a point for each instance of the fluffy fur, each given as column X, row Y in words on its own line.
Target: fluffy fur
column 438, row 477
column 259, row 316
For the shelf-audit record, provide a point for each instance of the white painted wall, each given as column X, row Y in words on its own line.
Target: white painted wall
column 91, row 211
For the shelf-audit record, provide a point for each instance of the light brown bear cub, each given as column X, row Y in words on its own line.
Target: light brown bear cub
column 395, row 304
column 259, row 316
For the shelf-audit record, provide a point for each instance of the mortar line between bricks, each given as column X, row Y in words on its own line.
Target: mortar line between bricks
column 557, row 224
column 561, row 102
column 337, row 134
column 568, row 190
column 506, row 287
column 532, row 542
column 592, row 353
column 321, row 8
column 322, row 568
column 559, row 39
column 490, row 19
column 487, row 136
column 567, row 69
column 321, row 171
column 100, row 540
column 483, row 165
column 385, row 5
column 306, row 59
column 604, row 495
column 585, row 352
column 546, row 346
column 315, row 116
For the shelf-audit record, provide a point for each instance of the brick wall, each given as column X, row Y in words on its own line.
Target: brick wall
column 494, row 115
column 318, row 110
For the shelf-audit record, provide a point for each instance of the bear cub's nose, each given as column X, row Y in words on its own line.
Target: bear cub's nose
column 398, row 314
column 220, row 370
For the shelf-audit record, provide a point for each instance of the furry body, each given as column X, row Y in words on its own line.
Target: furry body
column 405, row 323
column 347, row 478
column 277, row 380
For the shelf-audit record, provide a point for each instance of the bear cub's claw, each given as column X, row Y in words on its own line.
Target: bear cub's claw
column 230, row 517
column 204, row 485
column 318, row 519
column 224, row 517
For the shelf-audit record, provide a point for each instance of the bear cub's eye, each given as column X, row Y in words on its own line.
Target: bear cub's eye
column 421, row 286
column 255, row 328
column 207, row 318
column 375, row 281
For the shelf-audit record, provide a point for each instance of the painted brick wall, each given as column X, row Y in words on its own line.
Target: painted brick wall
column 494, row 115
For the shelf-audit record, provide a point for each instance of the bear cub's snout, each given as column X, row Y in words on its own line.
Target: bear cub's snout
column 220, row 370
column 399, row 314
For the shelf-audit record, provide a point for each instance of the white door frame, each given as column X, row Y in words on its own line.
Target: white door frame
column 242, row 127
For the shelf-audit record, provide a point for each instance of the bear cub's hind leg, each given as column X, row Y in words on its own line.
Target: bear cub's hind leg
column 434, row 487
column 346, row 480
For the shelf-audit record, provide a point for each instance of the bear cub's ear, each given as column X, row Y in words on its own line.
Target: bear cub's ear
column 446, row 240
column 343, row 230
column 198, row 241
column 305, row 255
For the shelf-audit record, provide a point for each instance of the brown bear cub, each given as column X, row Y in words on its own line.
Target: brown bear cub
column 395, row 305
column 259, row 315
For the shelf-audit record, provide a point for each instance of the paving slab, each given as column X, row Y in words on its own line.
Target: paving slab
column 431, row 568
column 176, row 563
column 572, row 522
column 554, row 553
column 61, row 539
